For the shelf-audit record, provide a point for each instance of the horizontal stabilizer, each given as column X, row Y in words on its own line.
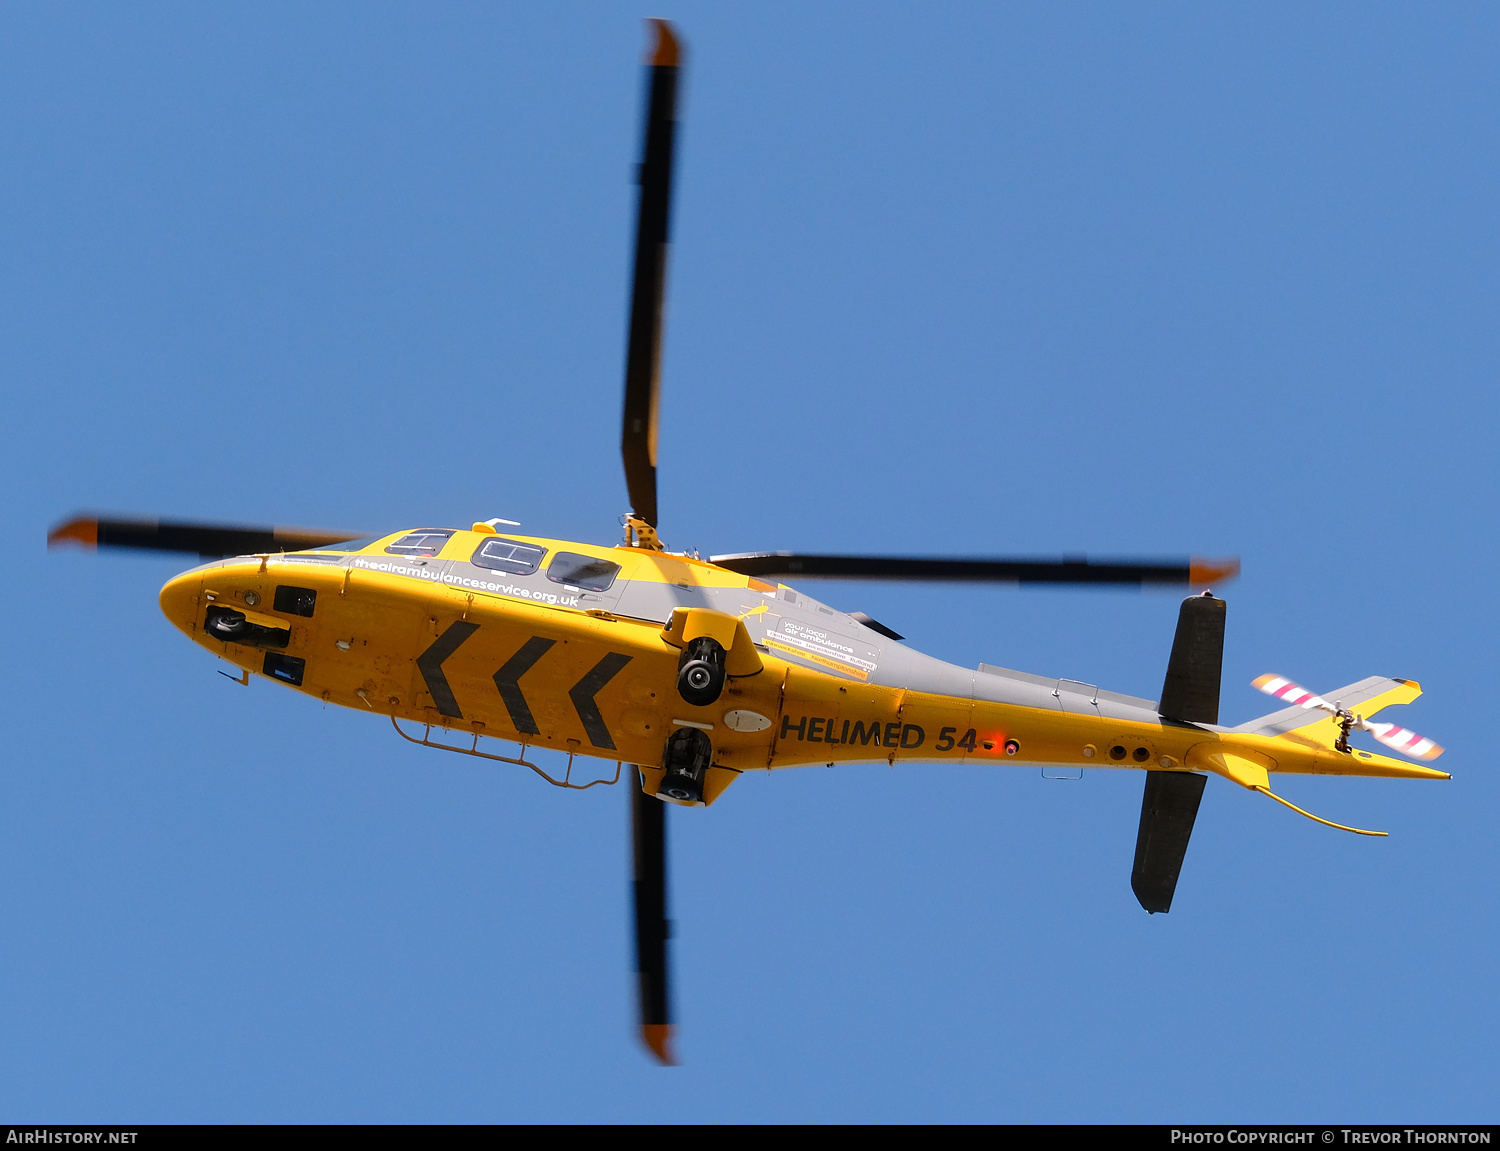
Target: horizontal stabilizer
column 1366, row 697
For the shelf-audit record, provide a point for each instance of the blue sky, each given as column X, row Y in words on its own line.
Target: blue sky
column 947, row 279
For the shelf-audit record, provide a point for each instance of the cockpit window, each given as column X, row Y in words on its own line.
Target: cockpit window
column 583, row 572
column 427, row 542
column 511, row 556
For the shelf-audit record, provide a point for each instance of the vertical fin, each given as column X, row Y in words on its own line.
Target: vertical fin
column 1191, row 690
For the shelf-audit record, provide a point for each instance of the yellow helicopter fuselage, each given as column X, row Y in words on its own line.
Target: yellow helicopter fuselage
column 590, row 670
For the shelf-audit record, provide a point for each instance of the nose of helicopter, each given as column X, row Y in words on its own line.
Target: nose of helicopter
column 179, row 600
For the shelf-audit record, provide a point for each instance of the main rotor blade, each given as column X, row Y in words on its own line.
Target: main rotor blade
column 652, row 232
column 1187, row 572
column 207, row 541
column 648, row 822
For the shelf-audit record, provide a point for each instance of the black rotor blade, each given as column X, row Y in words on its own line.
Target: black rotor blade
column 1188, row 572
column 648, row 823
column 207, row 541
column 643, row 354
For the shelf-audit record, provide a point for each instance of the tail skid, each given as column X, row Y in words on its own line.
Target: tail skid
column 1248, row 768
column 1315, row 818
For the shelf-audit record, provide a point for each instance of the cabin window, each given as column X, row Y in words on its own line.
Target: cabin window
column 511, row 556
column 427, row 542
column 295, row 600
column 286, row 668
column 584, row 572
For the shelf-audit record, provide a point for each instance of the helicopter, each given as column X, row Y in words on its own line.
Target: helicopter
column 684, row 673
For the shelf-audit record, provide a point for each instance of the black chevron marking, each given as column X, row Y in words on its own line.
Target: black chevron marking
column 430, row 664
column 582, row 694
column 508, row 677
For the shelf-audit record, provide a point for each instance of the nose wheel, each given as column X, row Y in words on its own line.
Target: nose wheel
column 700, row 672
column 225, row 623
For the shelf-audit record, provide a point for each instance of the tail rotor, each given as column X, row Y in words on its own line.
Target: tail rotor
column 1395, row 737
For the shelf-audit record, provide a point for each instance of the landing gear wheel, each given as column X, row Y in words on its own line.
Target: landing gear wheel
column 226, row 623
column 700, row 672
column 687, row 757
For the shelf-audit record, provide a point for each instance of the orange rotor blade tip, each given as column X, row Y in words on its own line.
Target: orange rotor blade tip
column 83, row 532
column 658, row 1037
column 1204, row 572
column 668, row 50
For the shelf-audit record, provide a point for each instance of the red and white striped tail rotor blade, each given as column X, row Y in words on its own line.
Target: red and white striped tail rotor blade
column 1404, row 741
column 1286, row 690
